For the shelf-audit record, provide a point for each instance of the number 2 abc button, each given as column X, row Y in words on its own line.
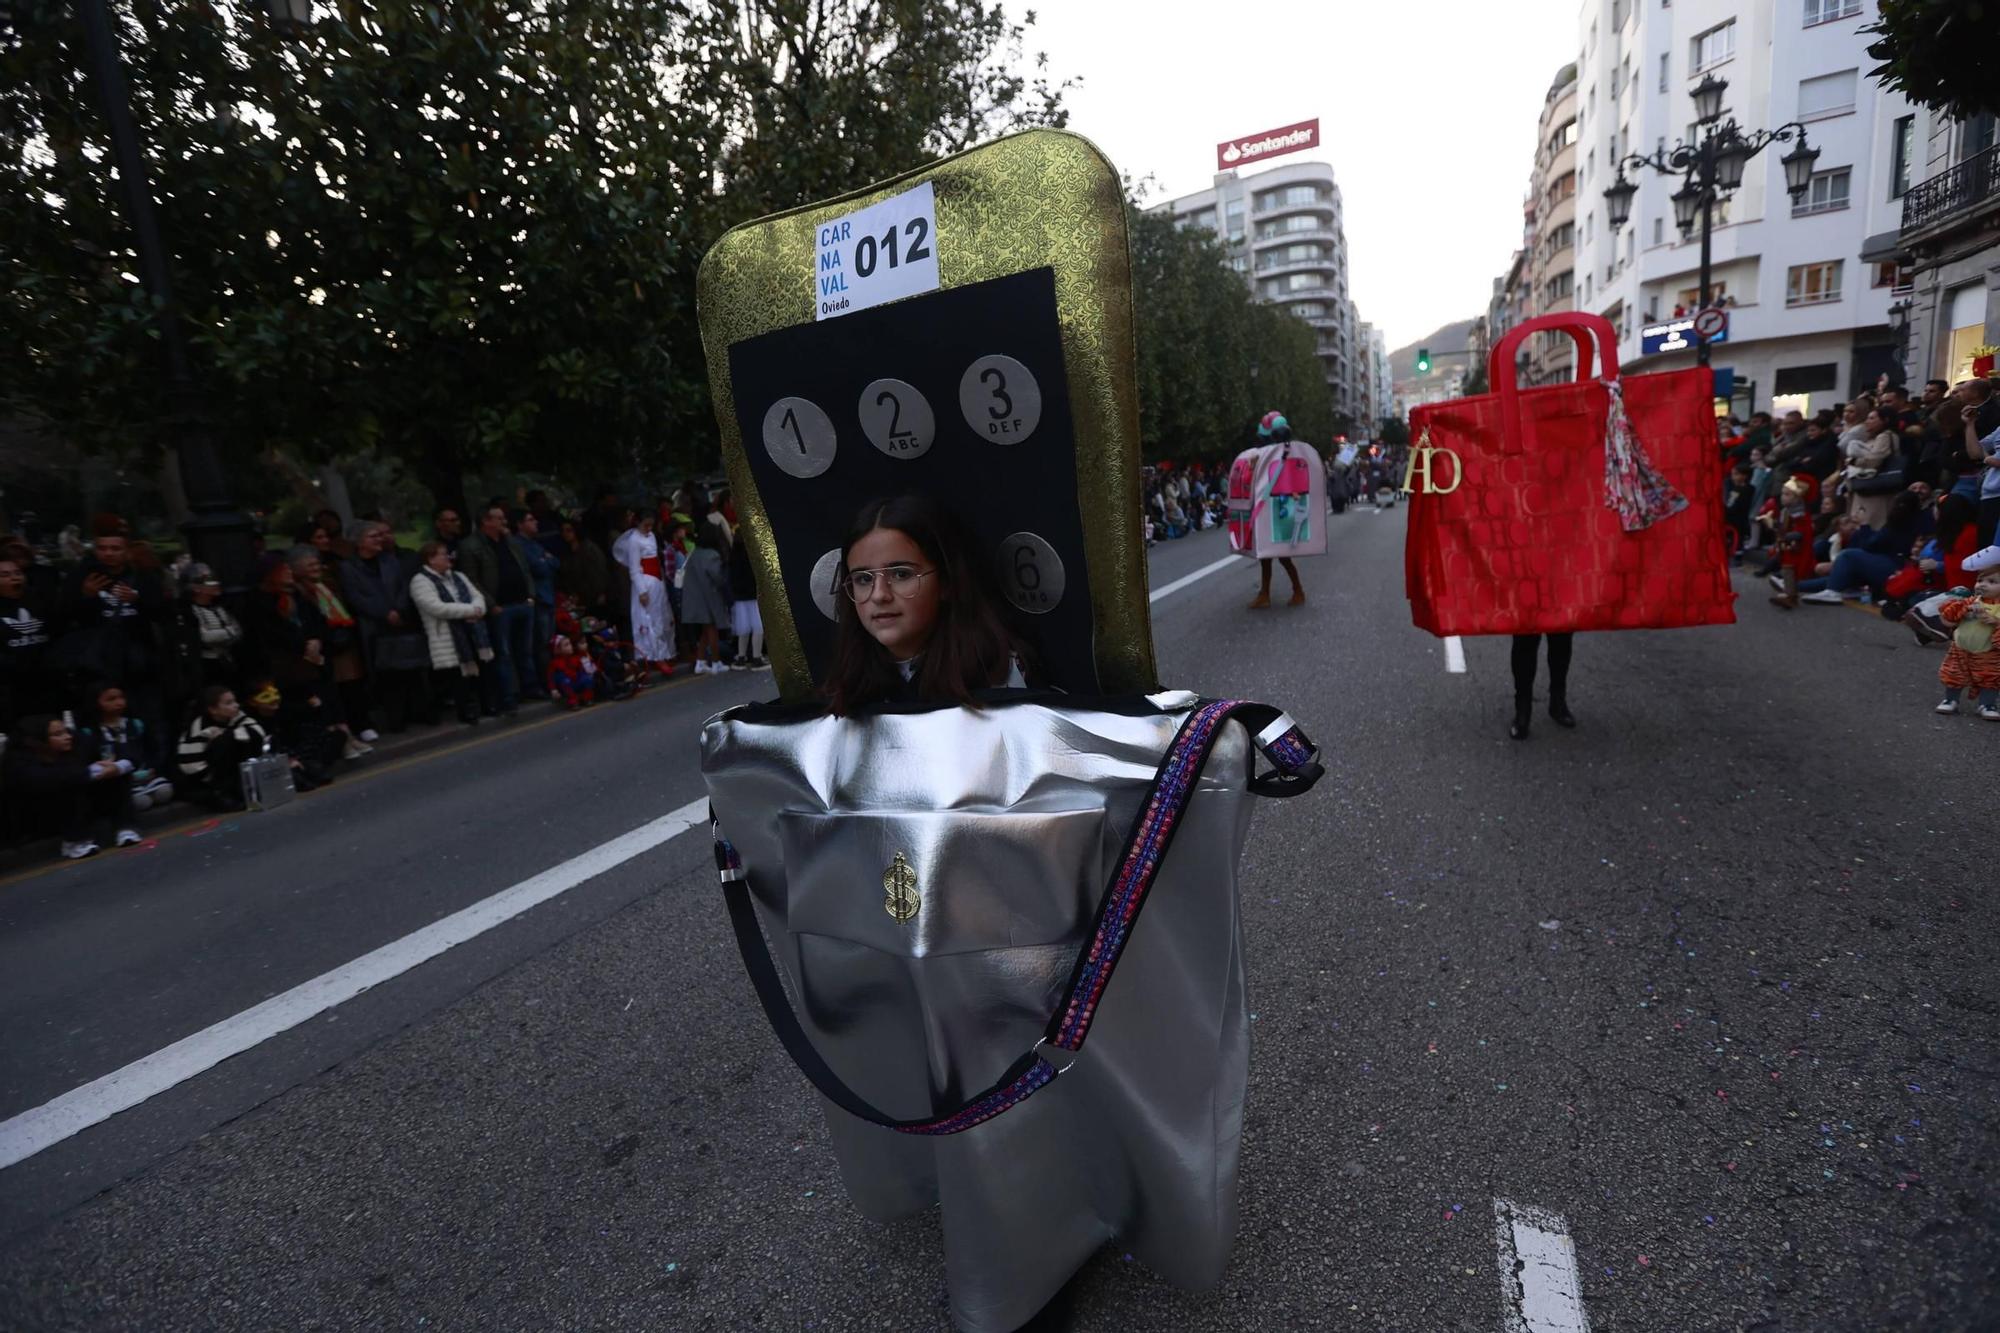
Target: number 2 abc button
column 799, row 437
column 897, row 419
column 1000, row 399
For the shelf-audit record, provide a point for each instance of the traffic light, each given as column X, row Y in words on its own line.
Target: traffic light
column 1423, row 360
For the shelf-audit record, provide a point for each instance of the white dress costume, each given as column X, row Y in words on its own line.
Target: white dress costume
column 652, row 618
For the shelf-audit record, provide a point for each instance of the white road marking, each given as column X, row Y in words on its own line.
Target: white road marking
column 77, row 1110
column 1540, row 1291
column 1195, row 577
column 1454, row 654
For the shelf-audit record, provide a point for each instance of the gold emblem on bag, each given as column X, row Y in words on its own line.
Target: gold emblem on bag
column 899, row 882
column 1421, row 458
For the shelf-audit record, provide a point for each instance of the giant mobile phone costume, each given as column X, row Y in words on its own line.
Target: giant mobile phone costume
column 931, row 901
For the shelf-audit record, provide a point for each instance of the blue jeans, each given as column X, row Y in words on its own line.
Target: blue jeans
column 512, row 671
column 1855, row 569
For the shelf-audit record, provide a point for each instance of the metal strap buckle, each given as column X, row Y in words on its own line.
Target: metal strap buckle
column 1060, row 1069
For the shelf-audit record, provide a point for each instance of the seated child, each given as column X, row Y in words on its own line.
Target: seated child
column 108, row 733
column 303, row 728
column 572, row 675
column 220, row 737
column 1973, row 660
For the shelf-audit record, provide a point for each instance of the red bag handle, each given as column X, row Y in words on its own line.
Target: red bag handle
column 1500, row 363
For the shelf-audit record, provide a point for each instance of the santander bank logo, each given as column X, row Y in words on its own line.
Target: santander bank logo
column 1271, row 143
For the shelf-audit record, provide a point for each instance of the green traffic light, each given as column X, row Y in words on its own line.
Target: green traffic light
column 1423, row 360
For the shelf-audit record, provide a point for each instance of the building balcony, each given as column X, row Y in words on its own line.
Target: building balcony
column 1324, row 207
column 1318, row 264
column 1952, row 198
column 1324, row 235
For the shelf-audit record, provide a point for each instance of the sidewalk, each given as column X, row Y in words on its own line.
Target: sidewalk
column 183, row 817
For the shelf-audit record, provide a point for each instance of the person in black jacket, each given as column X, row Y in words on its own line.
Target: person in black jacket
column 110, row 615
column 27, row 685
column 50, row 784
column 377, row 584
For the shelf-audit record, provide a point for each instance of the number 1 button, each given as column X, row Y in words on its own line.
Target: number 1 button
column 799, row 437
column 1000, row 399
column 897, row 419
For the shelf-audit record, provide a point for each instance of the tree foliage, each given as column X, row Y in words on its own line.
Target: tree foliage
column 1212, row 360
column 461, row 232
column 1940, row 53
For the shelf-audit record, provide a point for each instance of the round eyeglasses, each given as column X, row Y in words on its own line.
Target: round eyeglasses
column 902, row 580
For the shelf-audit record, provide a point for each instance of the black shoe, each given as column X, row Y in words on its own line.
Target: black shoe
column 1559, row 712
column 1523, row 715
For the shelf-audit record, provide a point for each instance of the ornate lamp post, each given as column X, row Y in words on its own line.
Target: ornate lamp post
column 1710, row 169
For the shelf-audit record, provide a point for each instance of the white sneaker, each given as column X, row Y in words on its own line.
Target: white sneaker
column 1825, row 597
column 1989, row 712
column 1949, row 705
column 128, row 837
column 700, row 668
column 370, row 734
column 76, row 851
column 1778, row 582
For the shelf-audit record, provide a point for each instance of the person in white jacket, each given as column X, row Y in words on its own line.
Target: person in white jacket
column 652, row 618
column 454, row 616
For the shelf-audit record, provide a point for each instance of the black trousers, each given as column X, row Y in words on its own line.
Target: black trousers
column 1526, row 647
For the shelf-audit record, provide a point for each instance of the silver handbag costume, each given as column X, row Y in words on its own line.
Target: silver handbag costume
column 937, row 905
column 937, row 887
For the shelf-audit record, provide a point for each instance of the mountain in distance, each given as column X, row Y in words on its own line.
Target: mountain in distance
column 1452, row 340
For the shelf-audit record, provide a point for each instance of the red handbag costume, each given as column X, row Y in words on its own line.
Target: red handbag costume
column 1583, row 506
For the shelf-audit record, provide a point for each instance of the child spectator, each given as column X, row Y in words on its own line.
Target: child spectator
column 220, row 737
column 109, row 734
column 1736, row 498
column 705, row 597
column 1973, row 660
column 572, row 675
column 52, row 784
column 303, row 728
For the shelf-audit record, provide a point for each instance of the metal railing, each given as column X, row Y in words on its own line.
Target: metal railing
column 1949, row 193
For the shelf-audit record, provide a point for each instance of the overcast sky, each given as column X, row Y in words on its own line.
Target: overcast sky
column 1427, row 114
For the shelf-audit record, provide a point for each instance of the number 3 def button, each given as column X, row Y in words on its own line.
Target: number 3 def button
column 1000, row 399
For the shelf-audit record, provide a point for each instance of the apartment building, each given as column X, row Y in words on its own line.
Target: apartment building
column 1947, row 246
column 1285, row 234
column 1552, row 222
column 1810, row 311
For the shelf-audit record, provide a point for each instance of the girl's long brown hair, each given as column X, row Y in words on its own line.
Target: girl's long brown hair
column 971, row 647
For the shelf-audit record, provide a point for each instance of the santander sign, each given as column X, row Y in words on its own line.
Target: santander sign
column 1271, row 143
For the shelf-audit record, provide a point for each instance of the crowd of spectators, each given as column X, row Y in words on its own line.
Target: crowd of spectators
column 1179, row 500
column 130, row 679
column 1882, row 502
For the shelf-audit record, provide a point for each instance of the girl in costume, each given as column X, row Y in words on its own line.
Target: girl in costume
column 1973, row 660
column 919, row 617
column 652, row 623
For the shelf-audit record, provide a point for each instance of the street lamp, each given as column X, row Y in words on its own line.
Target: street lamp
column 1711, row 169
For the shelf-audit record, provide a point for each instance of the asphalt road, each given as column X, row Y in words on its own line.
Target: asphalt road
column 1708, row 979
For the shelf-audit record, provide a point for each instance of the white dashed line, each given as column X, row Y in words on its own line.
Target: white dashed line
column 77, row 1110
column 1540, row 1291
column 1196, row 577
column 1454, row 654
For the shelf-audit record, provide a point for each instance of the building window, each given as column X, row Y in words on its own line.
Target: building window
column 1827, row 193
column 1563, row 187
column 1688, row 299
column 1813, row 284
column 1711, row 48
column 1561, row 285
column 1659, row 231
column 1665, row 62
column 1567, row 134
column 1898, row 278
column 1902, row 150
column 1826, row 11
column 1827, row 95
column 1290, row 197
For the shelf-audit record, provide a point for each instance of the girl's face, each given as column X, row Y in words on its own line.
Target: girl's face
column 225, row 709
column 1988, row 584
column 1875, row 423
column 60, row 740
column 563, row 647
column 111, row 704
column 902, row 624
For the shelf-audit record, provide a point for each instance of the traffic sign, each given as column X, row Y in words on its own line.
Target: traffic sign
column 1712, row 321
